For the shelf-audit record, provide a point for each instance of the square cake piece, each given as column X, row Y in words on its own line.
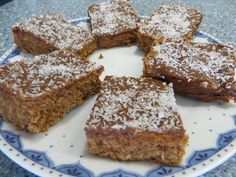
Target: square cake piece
column 36, row 93
column 201, row 70
column 136, row 119
column 169, row 21
column 114, row 23
column 46, row 33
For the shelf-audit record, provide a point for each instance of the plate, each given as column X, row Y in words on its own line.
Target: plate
column 61, row 151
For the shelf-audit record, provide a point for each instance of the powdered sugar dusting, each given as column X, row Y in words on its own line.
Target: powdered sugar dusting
column 57, row 31
column 172, row 21
column 42, row 74
column 142, row 104
column 112, row 17
column 196, row 61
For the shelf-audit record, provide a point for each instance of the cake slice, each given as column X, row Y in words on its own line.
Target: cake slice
column 46, row 33
column 113, row 22
column 36, row 93
column 136, row 119
column 169, row 21
column 204, row 71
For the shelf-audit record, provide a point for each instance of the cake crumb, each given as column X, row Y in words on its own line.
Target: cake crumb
column 145, row 21
column 100, row 56
column 129, row 44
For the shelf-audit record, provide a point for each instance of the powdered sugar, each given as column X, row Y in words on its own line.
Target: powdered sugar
column 142, row 104
column 112, row 17
column 55, row 30
column 172, row 21
column 44, row 73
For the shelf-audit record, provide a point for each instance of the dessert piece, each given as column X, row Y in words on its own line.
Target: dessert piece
column 204, row 71
column 169, row 21
column 114, row 23
column 36, row 93
column 136, row 119
column 46, row 33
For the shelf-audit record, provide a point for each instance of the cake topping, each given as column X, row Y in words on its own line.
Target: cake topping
column 42, row 74
column 210, row 62
column 171, row 20
column 57, row 31
column 112, row 17
column 142, row 104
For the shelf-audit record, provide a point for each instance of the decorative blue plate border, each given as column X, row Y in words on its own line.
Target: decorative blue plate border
column 76, row 169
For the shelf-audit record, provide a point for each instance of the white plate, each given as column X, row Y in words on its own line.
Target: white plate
column 62, row 150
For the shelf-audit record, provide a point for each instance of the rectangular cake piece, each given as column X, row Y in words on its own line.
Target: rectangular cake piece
column 36, row 93
column 136, row 119
column 204, row 71
column 114, row 23
column 169, row 21
column 46, row 33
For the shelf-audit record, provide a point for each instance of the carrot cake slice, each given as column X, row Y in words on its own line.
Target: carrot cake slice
column 169, row 21
column 136, row 119
column 113, row 22
column 36, row 93
column 46, row 33
column 201, row 70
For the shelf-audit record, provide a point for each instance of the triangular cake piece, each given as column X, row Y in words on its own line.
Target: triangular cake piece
column 136, row 119
column 169, row 21
column 35, row 93
column 46, row 33
column 113, row 22
column 205, row 71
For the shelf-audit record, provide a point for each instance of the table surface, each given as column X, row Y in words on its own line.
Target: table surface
column 219, row 20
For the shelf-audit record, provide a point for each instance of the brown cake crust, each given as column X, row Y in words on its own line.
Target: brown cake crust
column 38, row 92
column 200, row 70
column 136, row 115
column 169, row 21
column 113, row 22
column 50, row 32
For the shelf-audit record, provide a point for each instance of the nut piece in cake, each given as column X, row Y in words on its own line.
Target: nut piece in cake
column 36, row 93
column 46, row 33
column 169, row 21
column 136, row 119
column 204, row 71
column 114, row 23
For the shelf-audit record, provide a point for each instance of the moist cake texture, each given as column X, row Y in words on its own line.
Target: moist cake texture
column 113, row 22
column 134, row 115
column 201, row 70
column 36, row 93
column 46, row 33
column 169, row 21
